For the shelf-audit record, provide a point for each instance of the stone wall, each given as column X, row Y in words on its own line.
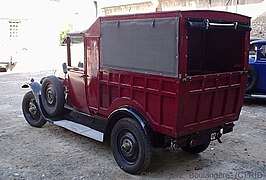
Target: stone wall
column 245, row 7
column 204, row 3
column 168, row 5
column 259, row 26
column 128, row 8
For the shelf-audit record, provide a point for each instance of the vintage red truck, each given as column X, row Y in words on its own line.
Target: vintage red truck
column 148, row 80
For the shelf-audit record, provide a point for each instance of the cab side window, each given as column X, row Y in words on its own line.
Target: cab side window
column 77, row 52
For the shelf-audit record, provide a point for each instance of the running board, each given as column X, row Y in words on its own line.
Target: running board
column 80, row 129
column 262, row 96
column 259, row 96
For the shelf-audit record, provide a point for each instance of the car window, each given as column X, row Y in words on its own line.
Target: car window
column 77, row 52
column 263, row 51
column 252, row 50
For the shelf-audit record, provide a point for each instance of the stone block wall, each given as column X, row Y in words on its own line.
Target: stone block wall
column 259, row 26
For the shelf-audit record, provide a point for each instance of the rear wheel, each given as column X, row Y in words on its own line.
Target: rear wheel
column 52, row 95
column 130, row 146
column 31, row 111
column 196, row 149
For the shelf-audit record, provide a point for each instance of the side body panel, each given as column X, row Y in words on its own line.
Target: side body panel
column 156, row 98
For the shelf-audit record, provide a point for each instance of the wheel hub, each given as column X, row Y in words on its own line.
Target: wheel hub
column 127, row 146
column 50, row 95
column 32, row 108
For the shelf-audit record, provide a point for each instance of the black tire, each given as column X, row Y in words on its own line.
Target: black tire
column 31, row 111
column 252, row 79
column 52, row 95
column 196, row 149
column 130, row 146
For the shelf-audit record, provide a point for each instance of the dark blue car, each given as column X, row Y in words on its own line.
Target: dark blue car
column 256, row 86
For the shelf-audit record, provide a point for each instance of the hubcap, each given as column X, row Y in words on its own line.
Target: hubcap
column 50, row 95
column 33, row 111
column 32, row 107
column 128, row 146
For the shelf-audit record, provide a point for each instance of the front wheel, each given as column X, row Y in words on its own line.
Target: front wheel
column 31, row 111
column 130, row 146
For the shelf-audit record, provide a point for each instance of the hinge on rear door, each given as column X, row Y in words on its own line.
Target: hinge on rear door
column 188, row 78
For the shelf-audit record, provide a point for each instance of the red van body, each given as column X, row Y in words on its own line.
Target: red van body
column 175, row 106
column 180, row 75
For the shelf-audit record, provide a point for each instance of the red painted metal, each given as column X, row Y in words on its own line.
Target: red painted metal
column 92, row 67
column 171, row 106
column 210, row 100
column 155, row 98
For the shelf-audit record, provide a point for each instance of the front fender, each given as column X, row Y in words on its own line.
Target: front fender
column 35, row 88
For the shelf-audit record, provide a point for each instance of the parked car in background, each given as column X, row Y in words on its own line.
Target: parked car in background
column 256, row 85
column 255, row 39
column 6, row 65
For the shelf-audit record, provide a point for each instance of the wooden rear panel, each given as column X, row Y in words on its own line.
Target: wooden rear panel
column 210, row 101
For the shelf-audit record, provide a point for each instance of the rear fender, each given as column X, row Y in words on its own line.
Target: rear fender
column 128, row 112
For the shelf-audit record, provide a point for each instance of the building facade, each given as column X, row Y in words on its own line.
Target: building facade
column 168, row 5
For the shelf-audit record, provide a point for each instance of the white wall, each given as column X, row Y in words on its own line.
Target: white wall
column 45, row 20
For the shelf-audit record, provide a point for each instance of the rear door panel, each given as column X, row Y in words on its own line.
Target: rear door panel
column 210, row 101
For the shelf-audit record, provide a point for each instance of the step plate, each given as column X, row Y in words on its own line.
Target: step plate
column 80, row 129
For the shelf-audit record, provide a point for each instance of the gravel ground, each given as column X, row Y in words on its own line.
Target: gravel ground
column 52, row 152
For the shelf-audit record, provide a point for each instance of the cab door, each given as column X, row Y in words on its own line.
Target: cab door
column 77, row 75
column 260, row 67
